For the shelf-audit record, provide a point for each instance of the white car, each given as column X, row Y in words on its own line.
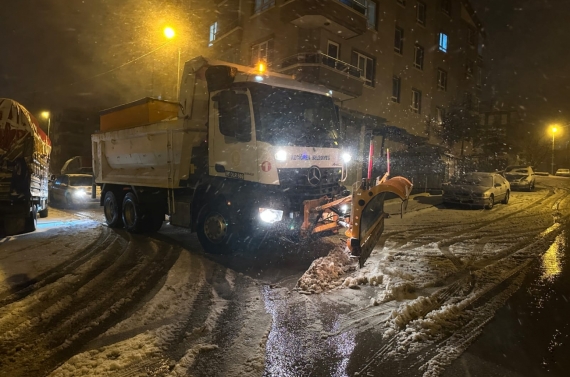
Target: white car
column 563, row 173
column 477, row 189
column 73, row 189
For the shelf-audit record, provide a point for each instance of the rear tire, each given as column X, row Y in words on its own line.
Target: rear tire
column 112, row 210
column 133, row 214
column 32, row 219
column 44, row 213
column 507, row 197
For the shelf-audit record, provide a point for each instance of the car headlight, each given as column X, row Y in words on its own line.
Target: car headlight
column 346, row 157
column 80, row 192
column 270, row 216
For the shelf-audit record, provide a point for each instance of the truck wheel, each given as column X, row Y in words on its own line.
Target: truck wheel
column 133, row 214
column 44, row 213
column 215, row 230
column 32, row 219
column 112, row 210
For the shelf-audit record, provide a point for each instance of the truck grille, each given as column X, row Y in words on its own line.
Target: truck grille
column 294, row 183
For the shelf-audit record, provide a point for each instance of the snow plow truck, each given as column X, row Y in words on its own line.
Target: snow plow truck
column 24, row 169
column 242, row 154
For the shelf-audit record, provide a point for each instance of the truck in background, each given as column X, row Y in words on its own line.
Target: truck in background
column 24, row 169
column 245, row 151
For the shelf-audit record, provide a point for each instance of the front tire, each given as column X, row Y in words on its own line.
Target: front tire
column 112, row 210
column 216, row 232
column 490, row 202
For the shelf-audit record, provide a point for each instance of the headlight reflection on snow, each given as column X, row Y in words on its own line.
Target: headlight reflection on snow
column 551, row 260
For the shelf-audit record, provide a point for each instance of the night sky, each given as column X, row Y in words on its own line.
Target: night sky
column 51, row 44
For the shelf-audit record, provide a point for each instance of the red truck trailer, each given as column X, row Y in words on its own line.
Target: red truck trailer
column 24, row 169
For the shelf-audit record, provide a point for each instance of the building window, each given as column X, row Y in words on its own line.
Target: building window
column 396, row 88
column 262, row 52
column 504, row 119
column 333, row 49
column 471, row 37
column 419, row 57
column 469, row 68
column 371, row 14
column 399, row 41
column 441, row 79
column 366, row 66
column 482, row 119
column 443, row 42
column 476, row 103
column 261, row 5
column 421, row 13
column 479, row 76
column 401, row 2
column 491, row 120
column 446, row 7
column 439, row 115
column 213, row 32
column 416, row 101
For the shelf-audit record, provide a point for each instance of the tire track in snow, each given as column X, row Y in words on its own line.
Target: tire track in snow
column 79, row 314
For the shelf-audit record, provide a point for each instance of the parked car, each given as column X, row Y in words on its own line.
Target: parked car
column 520, row 177
column 72, row 189
column 477, row 189
column 563, row 173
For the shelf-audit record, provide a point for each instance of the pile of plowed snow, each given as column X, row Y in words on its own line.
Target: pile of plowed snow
column 326, row 272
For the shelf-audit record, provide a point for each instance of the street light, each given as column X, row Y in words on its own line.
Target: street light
column 553, row 129
column 47, row 115
column 169, row 33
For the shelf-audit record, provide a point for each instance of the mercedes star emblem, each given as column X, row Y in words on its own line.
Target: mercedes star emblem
column 314, row 175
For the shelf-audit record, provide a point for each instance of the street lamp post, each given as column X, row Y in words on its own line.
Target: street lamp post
column 47, row 115
column 553, row 129
column 169, row 33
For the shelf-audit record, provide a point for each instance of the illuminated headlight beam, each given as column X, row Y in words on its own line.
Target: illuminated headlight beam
column 270, row 216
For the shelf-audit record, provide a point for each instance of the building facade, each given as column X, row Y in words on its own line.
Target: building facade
column 392, row 65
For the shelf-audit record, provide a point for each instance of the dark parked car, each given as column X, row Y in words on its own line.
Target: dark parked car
column 520, row 177
column 477, row 189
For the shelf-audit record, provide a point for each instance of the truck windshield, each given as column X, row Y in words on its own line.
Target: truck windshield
column 288, row 117
column 80, row 181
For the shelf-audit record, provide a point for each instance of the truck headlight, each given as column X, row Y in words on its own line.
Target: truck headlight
column 281, row 156
column 346, row 157
column 270, row 216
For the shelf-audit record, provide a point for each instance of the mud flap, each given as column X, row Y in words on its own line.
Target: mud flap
column 368, row 215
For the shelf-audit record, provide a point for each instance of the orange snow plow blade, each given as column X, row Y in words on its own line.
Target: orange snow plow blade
column 367, row 215
column 365, row 222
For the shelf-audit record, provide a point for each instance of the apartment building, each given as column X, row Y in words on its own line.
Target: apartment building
column 391, row 64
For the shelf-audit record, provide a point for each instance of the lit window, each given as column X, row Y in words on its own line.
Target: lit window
column 396, row 87
column 399, row 41
column 443, row 42
column 419, row 57
column 421, row 13
column 416, row 101
column 441, row 79
column 213, row 32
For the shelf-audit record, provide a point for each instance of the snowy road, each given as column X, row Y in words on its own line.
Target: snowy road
column 77, row 298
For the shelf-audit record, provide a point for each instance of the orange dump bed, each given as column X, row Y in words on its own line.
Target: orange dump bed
column 139, row 113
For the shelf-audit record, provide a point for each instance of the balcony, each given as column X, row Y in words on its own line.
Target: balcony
column 230, row 32
column 317, row 68
column 346, row 18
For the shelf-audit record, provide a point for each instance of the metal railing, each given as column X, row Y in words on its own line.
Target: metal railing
column 358, row 6
column 321, row 59
column 225, row 28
